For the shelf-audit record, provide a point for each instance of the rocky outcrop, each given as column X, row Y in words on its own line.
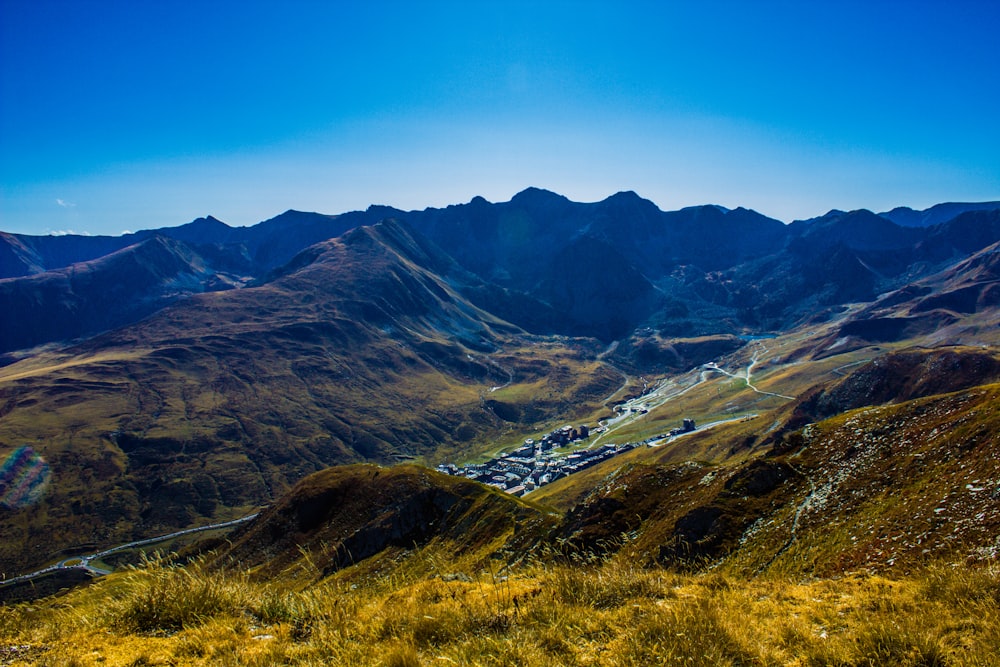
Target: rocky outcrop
column 898, row 377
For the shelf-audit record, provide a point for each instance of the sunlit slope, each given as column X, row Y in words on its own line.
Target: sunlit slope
column 889, row 486
column 865, row 538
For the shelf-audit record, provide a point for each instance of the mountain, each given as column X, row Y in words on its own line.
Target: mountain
column 24, row 255
column 880, row 489
column 190, row 375
column 344, row 516
column 547, row 264
column 937, row 304
column 358, row 349
column 884, row 468
column 712, row 270
column 116, row 289
column 961, row 236
column 936, row 214
column 69, row 286
column 255, row 250
column 17, row 259
column 896, row 377
column 543, row 245
column 911, row 473
column 858, row 230
column 700, row 434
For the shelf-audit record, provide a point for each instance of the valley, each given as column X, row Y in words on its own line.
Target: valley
column 683, row 403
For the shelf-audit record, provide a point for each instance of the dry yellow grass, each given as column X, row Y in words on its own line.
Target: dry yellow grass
column 573, row 612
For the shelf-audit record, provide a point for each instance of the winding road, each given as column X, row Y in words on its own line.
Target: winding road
column 748, row 374
column 84, row 562
column 667, row 390
column 632, row 409
column 703, row 427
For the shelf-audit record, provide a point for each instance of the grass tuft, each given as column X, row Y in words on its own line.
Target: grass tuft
column 160, row 597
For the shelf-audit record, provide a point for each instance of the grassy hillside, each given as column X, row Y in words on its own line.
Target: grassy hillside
column 365, row 515
column 143, row 441
column 864, row 539
column 885, row 488
column 557, row 614
column 403, row 566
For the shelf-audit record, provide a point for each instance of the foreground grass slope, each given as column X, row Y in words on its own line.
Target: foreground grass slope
column 569, row 611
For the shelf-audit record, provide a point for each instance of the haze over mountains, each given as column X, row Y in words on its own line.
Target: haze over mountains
column 185, row 375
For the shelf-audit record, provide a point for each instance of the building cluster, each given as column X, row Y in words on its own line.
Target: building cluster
column 535, row 463
column 686, row 427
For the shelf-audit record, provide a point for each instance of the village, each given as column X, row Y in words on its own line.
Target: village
column 537, row 463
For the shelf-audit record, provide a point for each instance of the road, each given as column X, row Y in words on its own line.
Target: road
column 703, row 427
column 667, row 390
column 746, row 377
column 84, row 562
column 633, row 409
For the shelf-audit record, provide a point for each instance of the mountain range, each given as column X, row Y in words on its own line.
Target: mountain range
column 542, row 262
column 186, row 375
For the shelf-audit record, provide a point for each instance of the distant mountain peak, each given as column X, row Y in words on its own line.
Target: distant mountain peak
column 624, row 195
column 629, row 201
column 832, row 215
column 908, row 217
column 205, row 221
column 707, row 208
column 382, row 211
column 533, row 195
column 293, row 215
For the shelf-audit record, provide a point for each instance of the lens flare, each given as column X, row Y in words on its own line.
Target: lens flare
column 24, row 476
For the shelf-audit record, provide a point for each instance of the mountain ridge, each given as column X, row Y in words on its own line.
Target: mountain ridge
column 522, row 251
column 936, row 214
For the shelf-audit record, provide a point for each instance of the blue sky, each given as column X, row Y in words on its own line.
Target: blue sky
column 127, row 115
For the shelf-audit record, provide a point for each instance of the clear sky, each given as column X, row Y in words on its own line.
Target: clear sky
column 128, row 115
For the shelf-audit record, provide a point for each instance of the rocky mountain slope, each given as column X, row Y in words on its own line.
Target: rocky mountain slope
column 903, row 215
column 894, row 484
column 90, row 297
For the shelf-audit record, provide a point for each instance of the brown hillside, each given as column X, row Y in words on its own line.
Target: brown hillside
column 220, row 403
column 897, row 377
column 882, row 488
column 344, row 515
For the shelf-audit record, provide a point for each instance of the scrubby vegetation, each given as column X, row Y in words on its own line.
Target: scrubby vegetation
column 558, row 610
